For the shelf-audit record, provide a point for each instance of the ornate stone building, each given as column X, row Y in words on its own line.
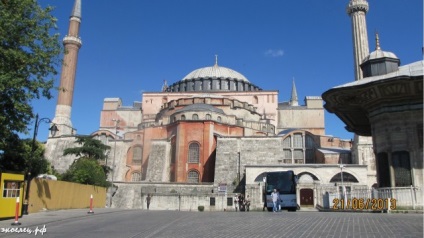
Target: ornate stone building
column 214, row 126
column 386, row 104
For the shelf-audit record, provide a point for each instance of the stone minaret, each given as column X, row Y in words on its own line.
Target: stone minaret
column 72, row 43
column 362, row 149
column 357, row 9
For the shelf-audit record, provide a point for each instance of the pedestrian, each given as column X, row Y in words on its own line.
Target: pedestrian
column 241, row 203
column 148, row 199
column 236, row 201
column 247, row 203
column 275, row 196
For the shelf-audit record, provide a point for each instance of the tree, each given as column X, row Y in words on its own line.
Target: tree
column 91, row 148
column 20, row 159
column 29, row 55
column 87, row 169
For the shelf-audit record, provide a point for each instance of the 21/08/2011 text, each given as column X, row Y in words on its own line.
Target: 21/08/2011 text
column 365, row 204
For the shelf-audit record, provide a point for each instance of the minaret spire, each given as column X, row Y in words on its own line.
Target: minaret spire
column 377, row 42
column 357, row 9
column 76, row 11
column 216, row 60
column 72, row 43
column 293, row 99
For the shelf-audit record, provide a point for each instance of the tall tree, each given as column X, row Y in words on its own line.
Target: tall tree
column 20, row 158
column 29, row 55
column 87, row 169
column 90, row 148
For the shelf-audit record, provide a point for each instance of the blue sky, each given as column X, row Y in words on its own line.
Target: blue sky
column 131, row 46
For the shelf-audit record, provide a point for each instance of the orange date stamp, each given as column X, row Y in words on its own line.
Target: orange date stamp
column 365, row 204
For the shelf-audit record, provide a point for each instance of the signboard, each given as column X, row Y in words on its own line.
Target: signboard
column 222, row 188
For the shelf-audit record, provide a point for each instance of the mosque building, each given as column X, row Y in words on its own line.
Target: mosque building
column 214, row 126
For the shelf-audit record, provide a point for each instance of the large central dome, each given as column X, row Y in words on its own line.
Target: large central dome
column 215, row 78
column 215, row 72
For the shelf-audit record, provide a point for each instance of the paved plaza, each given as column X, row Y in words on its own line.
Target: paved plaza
column 141, row 223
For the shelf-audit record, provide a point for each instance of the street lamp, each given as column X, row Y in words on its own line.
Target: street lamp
column 53, row 130
column 113, row 162
column 343, row 190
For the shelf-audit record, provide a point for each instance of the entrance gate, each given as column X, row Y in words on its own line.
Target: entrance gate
column 306, row 197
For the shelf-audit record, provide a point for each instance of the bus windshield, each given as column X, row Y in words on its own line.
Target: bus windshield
column 284, row 182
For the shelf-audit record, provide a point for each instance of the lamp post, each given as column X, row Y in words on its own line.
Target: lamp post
column 53, row 129
column 343, row 190
column 113, row 161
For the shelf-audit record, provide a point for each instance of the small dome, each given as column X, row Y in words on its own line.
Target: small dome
column 215, row 72
column 377, row 54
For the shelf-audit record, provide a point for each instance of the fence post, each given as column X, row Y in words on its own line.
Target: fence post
column 413, row 197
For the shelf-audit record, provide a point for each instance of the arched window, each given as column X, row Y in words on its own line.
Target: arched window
column 347, row 177
column 219, row 119
column 193, row 152
column 297, row 140
column 208, row 116
column 195, row 117
column 137, row 155
column 136, row 176
column 183, row 117
column 193, row 176
column 287, row 142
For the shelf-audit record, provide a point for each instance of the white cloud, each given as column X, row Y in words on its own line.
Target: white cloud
column 274, row 53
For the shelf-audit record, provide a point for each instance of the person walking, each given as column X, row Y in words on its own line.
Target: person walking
column 148, row 199
column 247, row 203
column 275, row 196
column 236, row 201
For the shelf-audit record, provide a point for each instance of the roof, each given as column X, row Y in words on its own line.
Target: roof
column 215, row 72
column 413, row 69
column 201, row 107
column 334, row 150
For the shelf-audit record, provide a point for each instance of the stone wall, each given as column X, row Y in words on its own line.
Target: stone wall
column 232, row 154
column 159, row 162
column 165, row 196
column 54, row 152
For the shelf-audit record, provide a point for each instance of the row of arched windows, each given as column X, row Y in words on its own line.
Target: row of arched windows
column 299, row 148
column 196, row 117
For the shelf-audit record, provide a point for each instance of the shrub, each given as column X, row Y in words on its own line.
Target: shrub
column 201, row 208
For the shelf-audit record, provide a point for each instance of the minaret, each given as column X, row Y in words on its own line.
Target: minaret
column 293, row 99
column 362, row 148
column 72, row 43
column 357, row 9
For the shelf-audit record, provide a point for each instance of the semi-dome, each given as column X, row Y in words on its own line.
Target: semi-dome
column 215, row 72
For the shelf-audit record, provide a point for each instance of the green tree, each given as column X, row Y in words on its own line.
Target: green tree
column 29, row 55
column 87, row 169
column 20, row 159
column 90, row 148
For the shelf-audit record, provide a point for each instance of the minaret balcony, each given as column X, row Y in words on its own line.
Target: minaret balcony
column 72, row 40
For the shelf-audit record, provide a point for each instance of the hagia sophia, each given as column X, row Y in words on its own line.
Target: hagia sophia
column 215, row 126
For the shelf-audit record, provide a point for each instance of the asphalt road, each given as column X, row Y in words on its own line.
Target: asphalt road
column 141, row 223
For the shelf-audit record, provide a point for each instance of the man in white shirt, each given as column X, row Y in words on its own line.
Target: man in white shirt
column 275, row 197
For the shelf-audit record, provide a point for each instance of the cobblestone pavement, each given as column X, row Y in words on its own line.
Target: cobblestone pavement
column 140, row 223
